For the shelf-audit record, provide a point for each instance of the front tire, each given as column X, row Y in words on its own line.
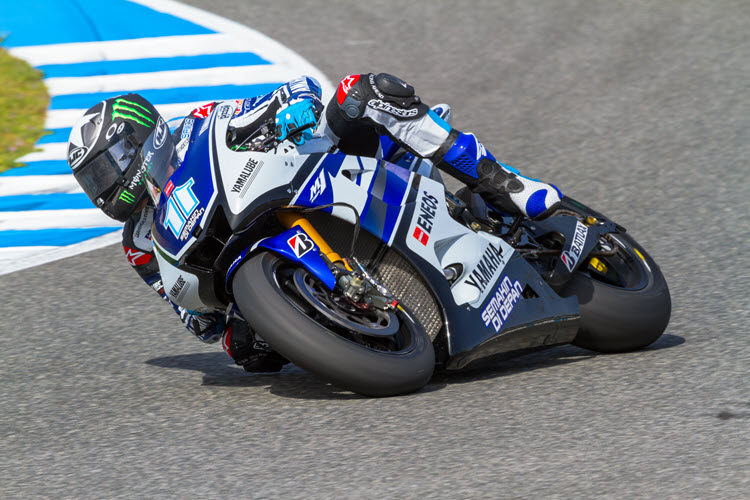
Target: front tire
column 267, row 291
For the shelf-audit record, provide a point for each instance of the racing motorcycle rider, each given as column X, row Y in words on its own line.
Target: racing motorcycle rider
column 370, row 115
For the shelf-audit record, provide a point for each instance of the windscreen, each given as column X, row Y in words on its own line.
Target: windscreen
column 159, row 151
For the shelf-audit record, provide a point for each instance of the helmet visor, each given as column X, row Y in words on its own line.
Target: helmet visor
column 103, row 171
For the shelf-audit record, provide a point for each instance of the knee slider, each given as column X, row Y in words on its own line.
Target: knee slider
column 382, row 91
column 392, row 89
column 393, row 86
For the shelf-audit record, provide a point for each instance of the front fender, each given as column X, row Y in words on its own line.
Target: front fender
column 294, row 245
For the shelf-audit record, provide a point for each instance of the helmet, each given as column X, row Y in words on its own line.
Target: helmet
column 105, row 152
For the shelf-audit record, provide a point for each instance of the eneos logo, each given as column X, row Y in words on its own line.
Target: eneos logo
column 427, row 211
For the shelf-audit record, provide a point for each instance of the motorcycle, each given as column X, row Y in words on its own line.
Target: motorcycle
column 370, row 274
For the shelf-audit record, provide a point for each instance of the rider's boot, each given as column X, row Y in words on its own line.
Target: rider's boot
column 248, row 350
column 464, row 157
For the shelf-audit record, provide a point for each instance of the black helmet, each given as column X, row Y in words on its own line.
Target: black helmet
column 104, row 151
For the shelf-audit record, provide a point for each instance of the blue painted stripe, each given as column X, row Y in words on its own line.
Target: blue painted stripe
column 47, row 167
column 439, row 121
column 167, row 96
column 57, row 135
column 51, row 237
column 44, row 22
column 53, row 201
column 391, row 217
column 395, row 187
column 152, row 64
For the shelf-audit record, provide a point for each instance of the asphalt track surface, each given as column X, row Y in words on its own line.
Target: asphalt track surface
column 640, row 109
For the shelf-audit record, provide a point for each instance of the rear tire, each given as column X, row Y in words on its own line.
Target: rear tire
column 621, row 318
column 292, row 326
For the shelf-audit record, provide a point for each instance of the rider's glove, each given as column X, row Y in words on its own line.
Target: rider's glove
column 300, row 115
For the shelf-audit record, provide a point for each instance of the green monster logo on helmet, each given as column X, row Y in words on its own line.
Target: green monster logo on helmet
column 128, row 110
column 127, row 197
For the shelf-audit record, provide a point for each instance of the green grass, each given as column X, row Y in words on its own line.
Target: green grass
column 23, row 104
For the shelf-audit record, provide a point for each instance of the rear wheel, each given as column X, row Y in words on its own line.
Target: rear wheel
column 624, row 298
column 370, row 352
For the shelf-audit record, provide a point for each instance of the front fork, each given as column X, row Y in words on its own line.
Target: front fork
column 356, row 284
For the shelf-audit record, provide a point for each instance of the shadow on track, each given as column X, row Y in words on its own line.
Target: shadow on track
column 293, row 382
column 495, row 367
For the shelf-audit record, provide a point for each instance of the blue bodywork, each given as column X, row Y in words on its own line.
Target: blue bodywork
column 283, row 245
column 312, row 261
column 385, row 193
column 185, row 199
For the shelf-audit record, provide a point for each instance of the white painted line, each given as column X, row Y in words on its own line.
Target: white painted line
column 206, row 77
column 63, row 118
column 10, row 261
column 268, row 48
column 123, row 50
column 38, row 184
column 49, row 151
column 55, row 219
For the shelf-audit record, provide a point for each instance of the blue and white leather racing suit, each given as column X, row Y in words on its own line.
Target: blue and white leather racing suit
column 370, row 115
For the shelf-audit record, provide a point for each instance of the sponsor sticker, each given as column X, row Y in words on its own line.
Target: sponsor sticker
column 182, row 210
column 127, row 197
column 225, row 112
column 190, row 224
column 187, row 128
column 75, row 156
column 132, row 111
column 501, row 303
column 391, row 109
column 421, row 236
column 203, row 111
column 300, row 244
column 177, row 287
column 571, row 256
column 161, row 133
column 483, row 275
column 142, row 171
column 345, row 86
column 158, row 287
column 115, row 128
column 248, row 170
column 427, row 212
column 374, row 87
column 136, row 257
column 319, row 186
column 142, row 232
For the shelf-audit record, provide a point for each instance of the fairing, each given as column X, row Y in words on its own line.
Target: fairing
column 498, row 303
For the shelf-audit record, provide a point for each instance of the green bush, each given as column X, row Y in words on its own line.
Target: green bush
column 23, row 105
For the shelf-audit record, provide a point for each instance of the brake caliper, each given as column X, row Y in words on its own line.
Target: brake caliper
column 364, row 291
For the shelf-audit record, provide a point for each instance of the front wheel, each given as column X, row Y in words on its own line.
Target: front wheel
column 373, row 353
